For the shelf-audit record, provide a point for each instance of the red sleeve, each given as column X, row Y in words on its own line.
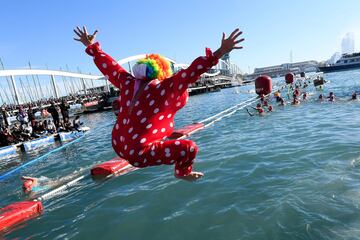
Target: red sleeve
column 108, row 66
column 199, row 66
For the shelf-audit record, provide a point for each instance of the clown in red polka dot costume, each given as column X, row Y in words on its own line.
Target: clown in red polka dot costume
column 148, row 102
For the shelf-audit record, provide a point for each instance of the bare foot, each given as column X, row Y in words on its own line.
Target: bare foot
column 193, row 176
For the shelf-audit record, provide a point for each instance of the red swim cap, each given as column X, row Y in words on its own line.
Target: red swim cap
column 28, row 184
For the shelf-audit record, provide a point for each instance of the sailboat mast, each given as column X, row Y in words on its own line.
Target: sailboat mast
column 33, row 78
column 23, row 91
column 9, row 83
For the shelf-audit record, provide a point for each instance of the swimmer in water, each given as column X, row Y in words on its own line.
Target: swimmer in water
column 33, row 186
column 262, row 98
column 282, row 102
column 258, row 108
column 265, row 104
column 297, row 91
column 331, row 97
column 353, row 96
column 277, row 95
column 295, row 102
column 305, row 96
column 321, row 97
column 270, row 108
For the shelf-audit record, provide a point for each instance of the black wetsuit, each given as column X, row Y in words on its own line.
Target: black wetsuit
column 55, row 115
column 64, row 106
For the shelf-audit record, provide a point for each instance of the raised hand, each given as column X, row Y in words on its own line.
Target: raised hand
column 230, row 43
column 84, row 37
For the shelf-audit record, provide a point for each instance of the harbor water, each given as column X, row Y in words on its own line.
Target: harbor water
column 292, row 174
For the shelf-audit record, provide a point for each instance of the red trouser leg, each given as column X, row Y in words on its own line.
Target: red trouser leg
column 182, row 153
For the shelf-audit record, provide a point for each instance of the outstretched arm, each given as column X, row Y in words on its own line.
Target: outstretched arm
column 203, row 64
column 249, row 112
column 35, row 180
column 107, row 65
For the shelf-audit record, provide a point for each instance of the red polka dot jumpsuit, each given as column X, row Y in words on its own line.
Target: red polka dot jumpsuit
column 138, row 135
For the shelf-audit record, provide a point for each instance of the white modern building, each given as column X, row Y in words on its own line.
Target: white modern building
column 348, row 43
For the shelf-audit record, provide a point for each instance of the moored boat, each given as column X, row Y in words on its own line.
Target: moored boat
column 346, row 62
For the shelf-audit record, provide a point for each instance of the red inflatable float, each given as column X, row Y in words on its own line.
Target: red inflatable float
column 186, row 131
column 18, row 212
column 114, row 166
column 263, row 85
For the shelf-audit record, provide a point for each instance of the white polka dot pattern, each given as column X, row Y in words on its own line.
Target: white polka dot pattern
column 138, row 130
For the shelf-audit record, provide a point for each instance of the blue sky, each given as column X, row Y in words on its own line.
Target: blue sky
column 41, row 31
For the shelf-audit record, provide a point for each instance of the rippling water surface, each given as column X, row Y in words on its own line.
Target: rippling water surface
column 293, row 174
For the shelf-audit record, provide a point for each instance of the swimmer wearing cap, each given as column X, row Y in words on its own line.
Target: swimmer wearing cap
column 295, row 102
column 297, row 91
column 35, row 185
column 258, row 108
column 331, row 97
column 277, row 95
column 305, row 96
column 282, row 102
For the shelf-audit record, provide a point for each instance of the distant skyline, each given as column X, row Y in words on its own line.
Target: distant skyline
column 41, row 31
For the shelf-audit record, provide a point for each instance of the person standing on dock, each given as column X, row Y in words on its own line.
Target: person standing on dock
column 4, row 116
column 64, row 107
column 54, row 113
column 2, row 119
column 148, row 102
column 31, row 115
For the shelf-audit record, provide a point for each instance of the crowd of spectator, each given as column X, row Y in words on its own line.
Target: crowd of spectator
column 32, row 120
column 12, row 109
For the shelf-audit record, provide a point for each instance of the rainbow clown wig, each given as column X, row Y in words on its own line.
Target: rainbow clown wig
column 153, row 66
